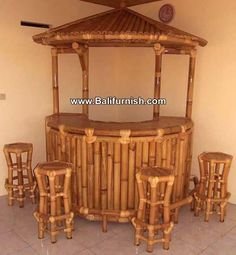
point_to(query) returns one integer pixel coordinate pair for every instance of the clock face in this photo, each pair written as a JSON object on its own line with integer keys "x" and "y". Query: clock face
{"x": 166, "y": 13}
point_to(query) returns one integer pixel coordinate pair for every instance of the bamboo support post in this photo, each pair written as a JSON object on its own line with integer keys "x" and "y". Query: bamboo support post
{"x": 83, "y": 53}
{"x": 55, "y": 81}
{"x": 192, "y": 63}
{"x": 159, "y": 50}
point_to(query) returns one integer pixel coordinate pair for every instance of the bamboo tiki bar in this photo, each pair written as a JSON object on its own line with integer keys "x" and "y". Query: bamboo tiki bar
{"x": 106, "y": 156}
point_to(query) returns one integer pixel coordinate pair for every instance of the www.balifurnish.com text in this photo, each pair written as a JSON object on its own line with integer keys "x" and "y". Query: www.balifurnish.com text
{"x": 118, "y": 101}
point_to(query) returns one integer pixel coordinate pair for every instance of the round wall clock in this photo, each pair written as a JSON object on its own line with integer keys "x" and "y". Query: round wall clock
{"x": 166, "y": 13}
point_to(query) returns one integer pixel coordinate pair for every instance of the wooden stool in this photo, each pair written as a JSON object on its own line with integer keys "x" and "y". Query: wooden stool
{"x": 212, "y": 189}
{"x": 16, "y": 185}
{"x": 155, "y": 187}
{"x": 54, "y": 212}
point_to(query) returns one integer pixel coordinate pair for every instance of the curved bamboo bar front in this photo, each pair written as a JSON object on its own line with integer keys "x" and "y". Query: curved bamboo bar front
{"x": 107, "y": 155}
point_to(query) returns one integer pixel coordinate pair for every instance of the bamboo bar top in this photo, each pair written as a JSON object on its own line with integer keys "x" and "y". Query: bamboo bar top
{"x": 78, "y": 123}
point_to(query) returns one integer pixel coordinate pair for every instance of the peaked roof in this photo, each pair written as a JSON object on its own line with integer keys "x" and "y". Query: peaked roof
{"x": 118, "y": 27}
{"x": 120, "y": 3}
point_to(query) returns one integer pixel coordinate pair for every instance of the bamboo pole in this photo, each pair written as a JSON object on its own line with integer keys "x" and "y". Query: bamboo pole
{"x": 124, "y": 175}
{"x": 55, "y": 80}
{"x": 79, "y": 172}
{"x": 83, "y": 53}
{"x": 110, "y": 179}
{"x": 145, "y": 153}
{"x": 84, "y": 173}
{"x": 152, "y": 150}
{"x": 138, "y": 163}
{"x": 90, "y": 176}
{"x": 192, "y": 64}
{"x": 104, "y": 176}
{"x": 117, "y": 171}
{"x": 74, "y": 172}
{"x": 159, "y": 50}
{"x": 97, "y": 175}
{"x": 131, "y": 178}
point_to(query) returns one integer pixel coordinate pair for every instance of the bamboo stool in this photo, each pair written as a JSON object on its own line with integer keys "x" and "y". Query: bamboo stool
{"x": 154, "y": 187}
{"x": 55, "y": 210}
{"x": 212, "y": 189}
{"x": 23, "y": 181}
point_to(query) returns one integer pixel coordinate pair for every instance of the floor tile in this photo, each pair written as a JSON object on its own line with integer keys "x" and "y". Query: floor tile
{"x": 61, "y": 247}
{"x": 177, "y": 247}
{"x": 225, "y": 246}
{"x": 117, "y": 246}
{"x": 193, "y": 236}
{"x": 10, "y": 243}
{"x": 25, "y": 251}
{"x": 91, "y": 234}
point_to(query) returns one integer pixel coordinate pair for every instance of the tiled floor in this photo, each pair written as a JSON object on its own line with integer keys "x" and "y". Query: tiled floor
{"x": 192, "y": 236}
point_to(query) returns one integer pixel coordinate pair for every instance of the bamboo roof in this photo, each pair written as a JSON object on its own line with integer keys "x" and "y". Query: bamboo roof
{"x": 120, "y": 3}
{"x": 118, "y": 27}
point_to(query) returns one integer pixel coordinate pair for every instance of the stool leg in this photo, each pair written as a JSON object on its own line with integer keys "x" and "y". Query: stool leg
{"x": 9, "y": 181}
{"x": 20, "y": 180}
{"x": 67, "y": 207}
{"x": 138, "y": 232}
{"x": 30, "y": 176}
{"x": 41, "y": 227}
{"x": 32, "y": 185}
{"x": 222, "y": 211}
{"x": 151, "y": 236}
{"x": 53, "y": 210}
{"x": 166, "y": 243}
{"x": 208, "y": 210}
{"x": 58, "y": 201}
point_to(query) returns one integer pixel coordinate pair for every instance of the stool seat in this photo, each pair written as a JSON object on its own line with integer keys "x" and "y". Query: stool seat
{"x": 18, "y": 147}
{"x": 54, "y": 166}
{"x": 154, "y": 172}
{"x": 20, "y": 177}
{"x": 55, "y": 209}
{"x": 216, "y": 157}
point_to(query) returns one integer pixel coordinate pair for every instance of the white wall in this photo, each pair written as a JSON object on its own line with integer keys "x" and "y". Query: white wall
{"x": 26, "y": 70}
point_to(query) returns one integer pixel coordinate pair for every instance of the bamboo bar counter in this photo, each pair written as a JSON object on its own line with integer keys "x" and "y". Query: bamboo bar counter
{"x": 107, "y": 155}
